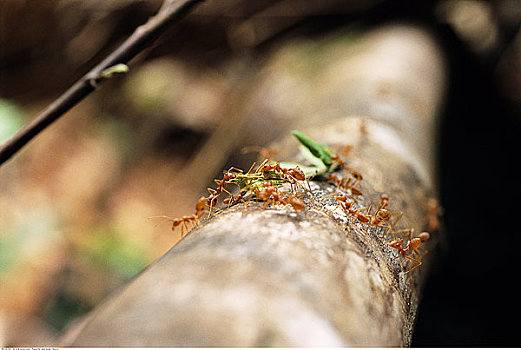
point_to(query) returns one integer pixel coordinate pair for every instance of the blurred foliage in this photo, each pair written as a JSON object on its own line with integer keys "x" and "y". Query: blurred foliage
{"x": 11, "y": 119}
{"x": 74, "y": 204}
{"x": 105, "y": 249}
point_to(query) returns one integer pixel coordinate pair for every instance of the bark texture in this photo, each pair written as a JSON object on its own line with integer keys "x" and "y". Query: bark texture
{"x": 256, "y": 276}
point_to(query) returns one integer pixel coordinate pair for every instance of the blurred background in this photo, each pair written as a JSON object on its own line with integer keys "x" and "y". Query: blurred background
{"x": 75, "y": 203}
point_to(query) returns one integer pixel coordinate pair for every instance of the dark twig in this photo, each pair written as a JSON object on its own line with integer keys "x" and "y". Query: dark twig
{"x": 143, "y": 36}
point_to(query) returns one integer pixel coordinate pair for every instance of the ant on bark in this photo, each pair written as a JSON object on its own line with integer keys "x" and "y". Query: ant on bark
{"x": 412, "y": 246}
{"x": 291, "y": 175}
{"x": 270, "y": 193}
{"x": 382, "y": 213}
{"x": 433, "y": 210}
{"x": 346, "y": 207}
{"x": 347, "y": 184}
{"x": 188, "y": 220}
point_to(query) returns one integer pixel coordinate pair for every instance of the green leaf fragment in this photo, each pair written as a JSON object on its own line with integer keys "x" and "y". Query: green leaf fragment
{"x": 318, "y": 150}
{"x": 115, "y": 69}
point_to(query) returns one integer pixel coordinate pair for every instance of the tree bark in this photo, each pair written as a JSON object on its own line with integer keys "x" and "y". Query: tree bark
{"x": 257, "y": 276}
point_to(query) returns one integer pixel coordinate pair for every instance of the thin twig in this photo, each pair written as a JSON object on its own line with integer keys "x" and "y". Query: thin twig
{"x": 143, "y": 36}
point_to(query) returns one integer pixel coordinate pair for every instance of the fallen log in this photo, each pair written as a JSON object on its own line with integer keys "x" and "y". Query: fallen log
{"x": 260, "y": 274}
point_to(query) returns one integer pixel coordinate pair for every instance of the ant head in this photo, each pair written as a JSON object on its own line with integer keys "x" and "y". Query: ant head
{"x": 228, "y": 175}
{"x": 357, "y": 175}
{"x": 384, "y": 197}
{"x": 340, "y": 198}
{"x": 396, "y": 243}
{"x": 298, "y": 174}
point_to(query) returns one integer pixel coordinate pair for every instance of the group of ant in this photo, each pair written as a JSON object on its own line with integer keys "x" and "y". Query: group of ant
{"x": 259, "y": 183}
{"x": 407, "y": 245}
{"x": 264, "y": 183}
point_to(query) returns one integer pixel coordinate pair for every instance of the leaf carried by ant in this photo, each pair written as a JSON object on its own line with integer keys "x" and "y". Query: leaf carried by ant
{"x": 317, "y": 150}
{"x": 250, "y": 181}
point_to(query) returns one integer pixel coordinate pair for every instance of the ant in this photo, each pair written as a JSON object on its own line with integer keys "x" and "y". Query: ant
{"x": 185, "y": 220}
{"x": 228, "y": 177}
{"x": 270, "y": 193}
{"x": 346, "y": 206}
{"x": 297, "y": 203}
{"x": 345, "y": 184}
{"x": 292, "y": 175}
{"x": 365, "y": 218}
{"x": 433, "y": 210}
{"x": 384, "y": 214}
{"x": 412, "y": 245}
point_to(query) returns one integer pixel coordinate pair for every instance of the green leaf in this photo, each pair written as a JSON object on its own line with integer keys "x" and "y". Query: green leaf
{"x": 318, "y": 150}
{"x": 115, "y": 69}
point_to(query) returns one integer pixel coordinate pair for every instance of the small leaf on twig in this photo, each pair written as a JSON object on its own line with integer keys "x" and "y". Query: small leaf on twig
{"x": 115, "y": 69}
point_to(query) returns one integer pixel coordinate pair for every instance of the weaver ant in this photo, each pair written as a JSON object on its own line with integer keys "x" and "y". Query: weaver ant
{"x": 384, "y": 214}
{"x": 345, "y": 184}
{"x": 346, "y": 206}
{"x": 291, "y": 175}
{"x": 433, "y": 210}
{"x": 412, "y": 245}
{"x": 297, "y": 203}
{"x": 185, "y": 220}
{"x": 270, "y": 193}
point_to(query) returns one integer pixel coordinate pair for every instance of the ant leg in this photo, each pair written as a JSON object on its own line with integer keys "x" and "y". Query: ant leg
{"x": 184, "y": 229}
{"x": 407, "y": 232}
{"x": 399, "y": 215}
{"x": 260, "y": 167}
{"x": 332, "y": 194}
{"x": 418, "y": 263}
{"x": 387, "y": 229}
{"x": 237, "y": 170}
{"x": 421, "y": 257}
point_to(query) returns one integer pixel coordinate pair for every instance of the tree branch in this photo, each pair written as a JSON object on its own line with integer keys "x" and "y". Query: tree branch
{"x": 144, "y": 35}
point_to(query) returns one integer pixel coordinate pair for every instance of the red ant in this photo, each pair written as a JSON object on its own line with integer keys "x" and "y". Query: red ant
{"x": 268, "y": 191}
{"x": 292, "y": 175}
{"x": 185, "y": 220}
{"x": 384, "y": 214}
{"x": 297, "y": 203}
{"x": 211, "y": 200}
{"x": 433, "y": 210}
{"x": 365, "y": 218}
{"x": 412, "y": 245}
{"x": 345, "y": 184}
{"x": 346, "y": 206}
